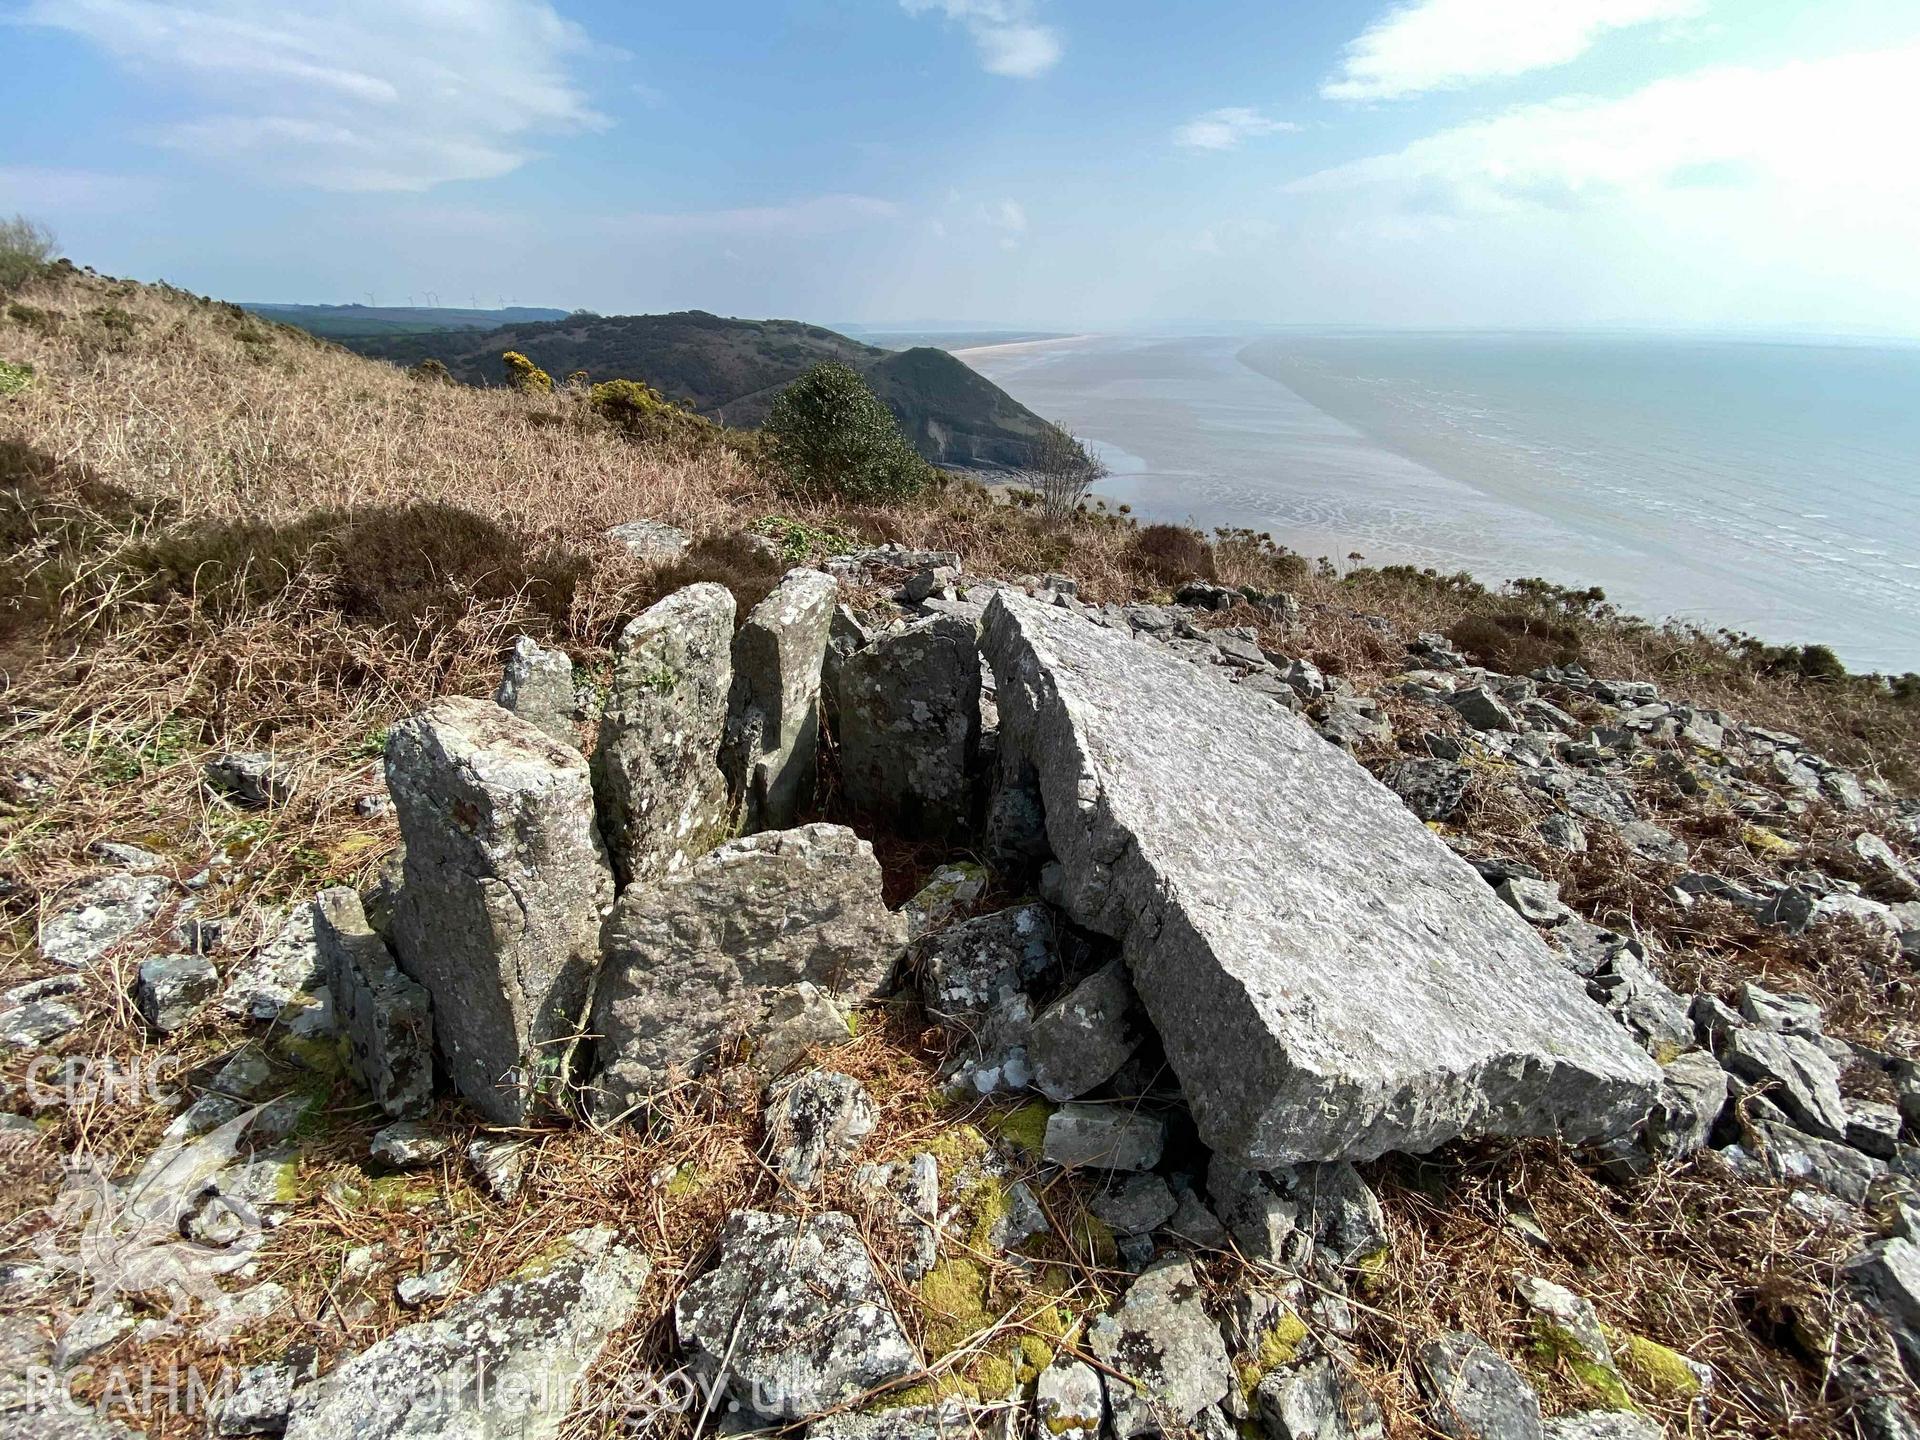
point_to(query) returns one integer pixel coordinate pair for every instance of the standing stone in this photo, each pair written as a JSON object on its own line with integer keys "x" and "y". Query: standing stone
{"x": 505, "y": 1363}
{"x": 663, "y": 798}
{"x": 792, "y": 1316}
{"x": 384, "y": 1017}
{"x": 1162, "y": 1341}
{"x": 705, "y": 953}
{"x": 537, "y": 685}
{"x": 909, "y": 714}
{"x": 773, "y": 720}
{"x": 1329, "y": 980}
{"x": 499, "y": 914}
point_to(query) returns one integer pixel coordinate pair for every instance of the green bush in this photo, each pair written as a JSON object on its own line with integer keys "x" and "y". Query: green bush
{"x": 431, "y": 372}
{"x": 25, "y": 250}
{"x": 830, "y": 436}
{"x": 525, "y": 376}
{"x": 14, "y": 378}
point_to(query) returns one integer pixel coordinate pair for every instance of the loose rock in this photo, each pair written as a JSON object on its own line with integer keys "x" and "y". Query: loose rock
{"x": 99, "y": 915}
{"x": 815, "y": 1122}
{"x": 1079, "y": 1041}
{"x": 1162, "y": 1341}
{"x": 1475, "y": 1394}
{"x": 1104, "y": 1137}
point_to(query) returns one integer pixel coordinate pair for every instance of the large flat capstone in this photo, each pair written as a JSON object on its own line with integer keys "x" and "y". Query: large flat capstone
{"x": 1329, "y": 980}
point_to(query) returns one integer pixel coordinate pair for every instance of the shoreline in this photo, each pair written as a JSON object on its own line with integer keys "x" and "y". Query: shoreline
{"x": 1023, "y": 347}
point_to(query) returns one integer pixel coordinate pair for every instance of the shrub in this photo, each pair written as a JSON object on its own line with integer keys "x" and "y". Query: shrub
{"x": 26, "y": 249}
{"x": 747, "y": 567}
{"x": 629, "y": 405}
{"x": 525, "y": 376}
{"x": 1514, "y": 641}
{"x": 1061, "y": 471}
{"x": 1171, "y": 554}
{"x": 431, "y": 372}
{"x": 14, "y": 378}
{"x": 830, "y": 436}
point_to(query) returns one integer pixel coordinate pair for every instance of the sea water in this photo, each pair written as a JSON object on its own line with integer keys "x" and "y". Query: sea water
{"x": 1770, "y": 487}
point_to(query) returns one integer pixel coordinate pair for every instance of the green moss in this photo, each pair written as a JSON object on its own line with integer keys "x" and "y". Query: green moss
{"x": 1370, "y": 1269}
{"x": 957, "y": 1147}
{"x": 1558, "y": 1348}
{"x": 1025, "y": 1127}
{"x": 688, "y": 1179}
{"x": 1662, "y": 1372}
{"x": 321, "y": 1057}
{"x": 1279, "y": 1344}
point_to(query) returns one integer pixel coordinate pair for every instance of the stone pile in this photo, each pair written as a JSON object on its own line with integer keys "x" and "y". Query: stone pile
{"x": 1238, "y": 963}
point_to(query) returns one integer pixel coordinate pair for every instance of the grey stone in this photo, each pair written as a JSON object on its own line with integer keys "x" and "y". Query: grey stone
{"x": 1535, "y": 901}
{"x": 500, "y": 1164}
{"x": 1160, "y": 1339}
{"x": 1890, "y": 874}
{"x": 815, "y": 1122}
{"x": 272, "y": 976}
{"x": 1432, "y": 789}
{"x": 948, "y": 891}
{"x": 504, "y": 1363}
{"x": 1293, "y": 984}
{"x": 909, "y": 717}
{"x": 1805, "y": 1082}
{"x": 1567, "y": 1325}
{"x": 1069, "y": 1400}
{"x": 1693, "y": 1092}
{"x": 499, "y": 915}
{"x": 1350, "y": 721}
{"x": 1651, "y": 842}
{"x": 1652, "y": 1013}
{"x": 1337, "y": 1209}
{"x": 1603, "y": 1425}
{"x": 1483, "y": 709}
{"x": 905, "y": 1199}
{"x": 1318, "y": 1401}
{"x": 704, "y": 952}
{"x": 413, "y": 1291}
{"x": 1079, "y": 1041}
{"x": 656, "y": 771}
{"x": 969, "y": 969}
{"x": 948, "y": 1420}
{"x": 792, "y": 1317}
{"x": 1104, "y": 1137}
{"x": 172, "y": 988}
{"x": 1886, "y": 1279}
{"x": 1873, "y": 1128}
{"x": 1263, "y": 1222}
{"x": 408, "y": 1145}
{"x": 252, "y": 779}
{"x": 649, "y": 541}
{"x": 773, "y": 715}
{"x": 99, "y": 915}
{"x": 537, "y": 685}
{"x": 799, "y": 1018}
{"x": 260, "y": 1402}
{"x": 1782, "y": 1014}
{"x": 1138, "y": 1205}
{"x": 37, "y": 1023}
{"x": 385, "y": 1018}
{"x": 1194, "y": 1223}
{"x": 1793, "y": 1157}
{"x": 1474, "y": 1393}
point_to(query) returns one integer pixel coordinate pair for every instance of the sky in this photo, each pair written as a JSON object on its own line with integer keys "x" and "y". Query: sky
{"x": 1048, "y": 164}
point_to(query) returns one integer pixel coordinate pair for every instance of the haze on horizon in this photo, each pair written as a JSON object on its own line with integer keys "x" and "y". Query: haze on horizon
{"x": 1093, "y": 164}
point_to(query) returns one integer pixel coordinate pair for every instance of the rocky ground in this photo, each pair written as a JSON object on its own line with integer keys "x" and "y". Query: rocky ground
{"x": 1069, "y": 1036}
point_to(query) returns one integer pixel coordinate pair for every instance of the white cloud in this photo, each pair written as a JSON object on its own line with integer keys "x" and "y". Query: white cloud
{"x": 1011, "y": 41}
{"x": 363, "y": 95}
{"x": 798, "y": 219}
{"x": 1226, "y": 128}
{"x": 1447, "y": 44}
{"x": 38, "y": 191}
{"x": 1803, "y": 136}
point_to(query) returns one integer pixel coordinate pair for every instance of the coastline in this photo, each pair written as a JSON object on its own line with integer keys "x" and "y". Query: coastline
{"x": 966, "y": 354}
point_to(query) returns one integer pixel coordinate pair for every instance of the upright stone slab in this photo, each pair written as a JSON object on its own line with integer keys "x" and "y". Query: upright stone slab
{"x": 909, "y": 716}
{"x": 537, "y": 685}
{"x": 505, "y": 884}
{"x": 1329, "y": 980}
{"x": 705, "y": 954}
{"x": 385, "y": 1018}
{"x": 663, "y": 798}
{"x": 773, "y": 720}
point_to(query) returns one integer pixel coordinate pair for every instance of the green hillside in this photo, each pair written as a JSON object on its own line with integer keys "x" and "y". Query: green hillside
{"x": 731, "y": 370}
{"x": 352, "y": 322}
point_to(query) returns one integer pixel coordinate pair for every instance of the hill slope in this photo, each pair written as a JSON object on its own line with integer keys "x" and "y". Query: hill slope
{"x": 731, "y": 370}
{"x": 341, "y": 322}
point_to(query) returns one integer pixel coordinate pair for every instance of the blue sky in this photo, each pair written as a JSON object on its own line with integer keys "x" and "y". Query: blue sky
{"x": 1048, "y": 163}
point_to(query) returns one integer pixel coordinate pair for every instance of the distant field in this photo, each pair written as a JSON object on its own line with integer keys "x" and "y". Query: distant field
{"x": 340, "y": 322}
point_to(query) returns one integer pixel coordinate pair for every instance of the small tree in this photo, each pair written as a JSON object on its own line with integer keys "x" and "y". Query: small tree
{"x": 26, "y": 248}
{"x": 831, "y": 436}
{"x": 1061, "y": 471}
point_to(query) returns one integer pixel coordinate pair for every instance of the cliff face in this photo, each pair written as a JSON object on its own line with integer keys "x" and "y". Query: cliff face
{"x": 731, "y": 370}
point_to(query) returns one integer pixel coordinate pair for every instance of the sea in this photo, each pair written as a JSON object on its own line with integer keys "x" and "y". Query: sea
{"x": 1770, "y": 487}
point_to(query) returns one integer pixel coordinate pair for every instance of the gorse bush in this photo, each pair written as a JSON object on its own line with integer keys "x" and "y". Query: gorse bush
{"x": 1172, "y": 554}
{"x": 26, "y": 249}
{"x": 830, "y": 437}
{"x": 525, "y": 376}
